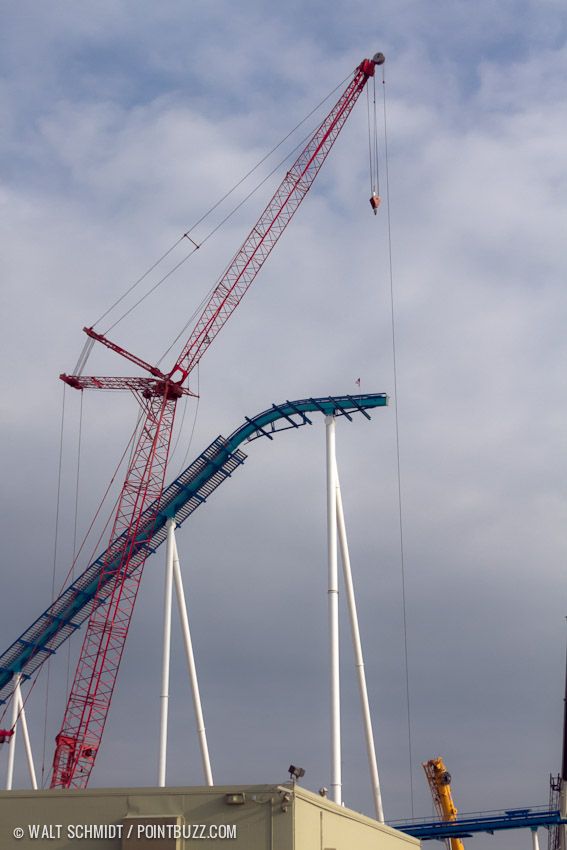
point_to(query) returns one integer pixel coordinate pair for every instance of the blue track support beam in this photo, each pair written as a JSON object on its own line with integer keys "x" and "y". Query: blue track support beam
{"x": 179, "y": 500}
{"x": 491, "y": 822}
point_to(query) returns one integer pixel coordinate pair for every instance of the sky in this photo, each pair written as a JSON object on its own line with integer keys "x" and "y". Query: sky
{"x": 123, "y": 123}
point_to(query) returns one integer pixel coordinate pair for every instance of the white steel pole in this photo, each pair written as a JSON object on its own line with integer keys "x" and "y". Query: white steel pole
{"x": 26, "y": 737}
{"x": 358, "y": 657}
{"x": 333, "y": 601}
{"x": 535, "y": 840}
{"x": 202, "y": 735}
{"x": 563, "y": 811}
{"x": 12, "y": 744}
{"x": 164, "y": 697}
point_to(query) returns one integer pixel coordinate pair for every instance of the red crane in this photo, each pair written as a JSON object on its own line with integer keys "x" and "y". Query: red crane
{"x": 87, "y": 708}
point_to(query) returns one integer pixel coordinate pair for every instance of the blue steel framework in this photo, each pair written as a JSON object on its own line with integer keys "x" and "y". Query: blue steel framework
{"x": 183, "y": 496}
{"x": 465, "y": 827}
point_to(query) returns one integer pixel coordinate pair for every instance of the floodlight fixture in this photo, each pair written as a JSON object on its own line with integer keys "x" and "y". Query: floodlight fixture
{"x": 295, "y": 772}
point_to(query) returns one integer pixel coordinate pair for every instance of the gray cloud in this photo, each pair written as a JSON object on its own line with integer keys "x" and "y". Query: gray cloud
{"x": 120, "y": 130}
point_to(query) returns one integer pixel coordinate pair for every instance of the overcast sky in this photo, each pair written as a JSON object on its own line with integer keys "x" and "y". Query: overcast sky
{"x": 123, "y": 122}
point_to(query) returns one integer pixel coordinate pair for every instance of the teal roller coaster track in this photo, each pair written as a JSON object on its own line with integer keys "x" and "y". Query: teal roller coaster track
{"x": 178, "y": 501}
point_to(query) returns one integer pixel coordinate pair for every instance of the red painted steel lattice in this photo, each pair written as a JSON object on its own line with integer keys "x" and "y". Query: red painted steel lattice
{"x": 79, "y": 740}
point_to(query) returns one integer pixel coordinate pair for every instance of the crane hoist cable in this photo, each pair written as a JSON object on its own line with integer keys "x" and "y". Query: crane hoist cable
{"x": 373, "y": 158}
{"x": 397, "y": 425}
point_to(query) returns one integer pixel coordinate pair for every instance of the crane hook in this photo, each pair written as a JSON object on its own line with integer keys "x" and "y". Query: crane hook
{"x": 375, "y": 202}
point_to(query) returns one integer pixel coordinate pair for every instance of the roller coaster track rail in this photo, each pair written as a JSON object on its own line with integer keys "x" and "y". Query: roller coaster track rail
{"x": 179, "y": 500}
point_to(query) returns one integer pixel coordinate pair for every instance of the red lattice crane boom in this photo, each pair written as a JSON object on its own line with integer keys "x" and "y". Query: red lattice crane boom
{"x": 79, "y": 739}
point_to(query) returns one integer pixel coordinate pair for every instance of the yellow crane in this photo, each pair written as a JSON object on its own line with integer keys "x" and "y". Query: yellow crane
{"x": 439, "y": 780}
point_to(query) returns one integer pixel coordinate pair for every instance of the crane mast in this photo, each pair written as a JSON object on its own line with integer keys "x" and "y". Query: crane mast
{"x": 79, "y": 739}
{"x": 439, "y": 780}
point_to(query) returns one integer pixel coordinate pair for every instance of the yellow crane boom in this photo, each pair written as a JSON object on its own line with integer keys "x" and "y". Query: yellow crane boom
{"x": 439, "y": 780}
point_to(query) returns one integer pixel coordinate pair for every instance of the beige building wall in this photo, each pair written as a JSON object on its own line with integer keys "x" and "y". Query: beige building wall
{"x": 322, "y": 825}
{"x": 256, "y": 817}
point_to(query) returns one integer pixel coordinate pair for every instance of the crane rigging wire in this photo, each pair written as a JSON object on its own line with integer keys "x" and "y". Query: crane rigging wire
{"x": 70, "y": 572}
{"x": 376, "y": 159}
{"x": 209, "y": 235}
{"x": 179, "y": 429}
{"x": 370, "y": 162}
{"x": 78, "y": 478}
{"x": 139, "y": 280}
{"x": 151, "y": 290}
{"x": 186, "y": 234}
{"x": 53, "y": 572}
{"x": 266, "y": 156}
{"x": 397, "y": 433}
{"x": 208, "y": 294}
{"x": 127, "y": 448}
{"x": 188, "y": 449}
{"x": 54, "y": 567}
{"x": 76, "y": 553}
{"x": 75, "y": 518}
{"x": 373, "y": 158}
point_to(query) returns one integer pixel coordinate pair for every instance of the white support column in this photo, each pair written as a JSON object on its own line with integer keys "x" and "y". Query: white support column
{"x": 14, "y": 726}
{"x": 26, "y": 737}
{"x": 358, "y": 657}
{"x": 207, "y": 772}
{"x": 333, "y": 602}
{"x": 164, "y": 697}
{"x": 535, "y": 840}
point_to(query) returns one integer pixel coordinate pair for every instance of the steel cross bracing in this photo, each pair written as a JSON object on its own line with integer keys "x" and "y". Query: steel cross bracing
{"x": 179, "y": 500}
{"x": 95, "y": 676}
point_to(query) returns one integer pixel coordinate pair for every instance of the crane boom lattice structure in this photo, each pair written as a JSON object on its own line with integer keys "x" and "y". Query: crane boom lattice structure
{"x": 89, "y": 700}
{"x": 439, "y": 780}
{"x": 103, "y": 644}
